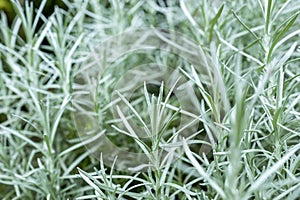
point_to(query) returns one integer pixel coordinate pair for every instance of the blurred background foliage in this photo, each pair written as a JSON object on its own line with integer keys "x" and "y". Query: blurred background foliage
{"x": 7, "y": 8}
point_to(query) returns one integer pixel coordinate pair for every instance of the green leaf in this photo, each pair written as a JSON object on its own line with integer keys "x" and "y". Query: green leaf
{"x": 268, "y": 16}
{"x": 214, "y": 21}
{"x": 279, "y": 33}
{"x": 94, "y": 183}
{"x": 248, "y": 29}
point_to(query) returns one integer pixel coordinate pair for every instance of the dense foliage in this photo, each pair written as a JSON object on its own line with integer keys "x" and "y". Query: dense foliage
{"x": 245, "y": 95}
